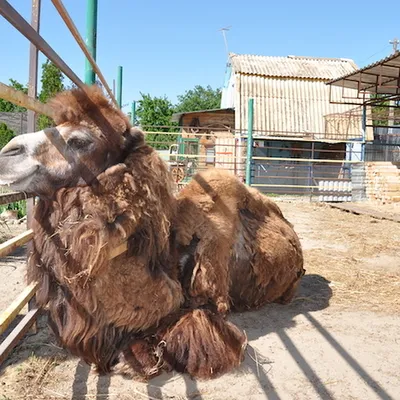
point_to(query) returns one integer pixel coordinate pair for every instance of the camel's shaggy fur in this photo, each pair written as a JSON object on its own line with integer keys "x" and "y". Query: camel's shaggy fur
{"x": 218, "y": 245}
{"x": 246, "y": 254}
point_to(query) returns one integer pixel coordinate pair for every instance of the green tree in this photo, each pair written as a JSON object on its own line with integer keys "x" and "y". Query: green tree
{"x": 154, "y": 114}
{"x": 199, "y": 98}
{"x": 52, "y": 83}
{"x": 6, "y": 134}
{"x": 7, "y": 106}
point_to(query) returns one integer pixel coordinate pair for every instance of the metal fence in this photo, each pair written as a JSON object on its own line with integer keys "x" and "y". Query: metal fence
{"x": 16, "y": 121}
{"x": 38, "y": 43}
{"x": 284, "y": 166}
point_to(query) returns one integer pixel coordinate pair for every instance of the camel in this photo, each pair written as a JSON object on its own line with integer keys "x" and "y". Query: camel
{"x": 214, "y": 247}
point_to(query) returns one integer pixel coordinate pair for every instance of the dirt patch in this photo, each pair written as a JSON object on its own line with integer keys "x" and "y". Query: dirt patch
{"x": 339, "y": 338}
{"x": 12, "y": 268}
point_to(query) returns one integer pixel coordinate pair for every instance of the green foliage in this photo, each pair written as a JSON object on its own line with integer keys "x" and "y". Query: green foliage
{"x": 6, "y": 134}
{"x": 7, "y": 106}
{"x": 199, "y": 98}
{"x": 154, "y": 114}
{"x": 52, "y": 83}
{"x": 19, "y": 206}
{"x": 381, "y": 112}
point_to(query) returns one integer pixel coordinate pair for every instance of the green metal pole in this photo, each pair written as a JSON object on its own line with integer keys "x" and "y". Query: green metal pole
{"x": 91, "y": 39}
{"x": 364, "y": 131}
{"x": 119, "y": 87}
{"x": 133, "y": 115}
{"x": 249, "y": 141}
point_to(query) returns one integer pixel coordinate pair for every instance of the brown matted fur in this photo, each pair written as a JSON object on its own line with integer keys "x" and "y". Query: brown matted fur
{"x": 218, "y": 245}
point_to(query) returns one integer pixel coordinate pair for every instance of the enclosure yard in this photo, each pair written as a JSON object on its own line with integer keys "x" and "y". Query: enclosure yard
{"x": 339, "y": 339}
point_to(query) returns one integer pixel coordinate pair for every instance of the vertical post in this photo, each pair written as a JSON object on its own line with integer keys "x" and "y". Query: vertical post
{"x": 32, "y": 88}
{"x": 391, "y": 123}
{"x": 311, "y": 177}
{"x": 91, "y": 39}
{"x": 31, "y": 123}
{"x": 364, "y": 131}
{"x": 119, "y": 87}
{"x": 249, "y": 140}
{"x": 133, "y": 115}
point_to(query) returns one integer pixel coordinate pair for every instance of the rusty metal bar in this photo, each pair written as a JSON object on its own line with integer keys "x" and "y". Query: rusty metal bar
{"x": 8, "y": 198}
{"x": 19, "y": 23}
{"x": 75, "y": 33}
{"x": 22, "y": 99}
{"x": 32, "y": 91}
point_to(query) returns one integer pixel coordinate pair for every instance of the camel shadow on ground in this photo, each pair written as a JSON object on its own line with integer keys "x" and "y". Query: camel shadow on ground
{"x": 313, "y": 294}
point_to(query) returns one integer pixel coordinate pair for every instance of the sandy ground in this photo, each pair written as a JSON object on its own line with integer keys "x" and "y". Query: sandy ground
{"x": 339, "y": 339}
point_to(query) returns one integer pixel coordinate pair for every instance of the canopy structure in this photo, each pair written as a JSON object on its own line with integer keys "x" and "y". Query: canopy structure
{"x": 374, "y": 83}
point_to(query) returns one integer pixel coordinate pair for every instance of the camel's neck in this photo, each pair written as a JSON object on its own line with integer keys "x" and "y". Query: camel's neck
{"x": 75, "y": 232}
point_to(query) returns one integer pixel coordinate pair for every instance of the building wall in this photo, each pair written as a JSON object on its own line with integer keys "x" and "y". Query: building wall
{"x": 207, "y": 127}
{"x": 228, "y": 91}
{"x": 221, "y": 120}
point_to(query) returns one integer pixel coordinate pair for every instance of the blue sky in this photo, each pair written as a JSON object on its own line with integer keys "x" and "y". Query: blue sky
{"x": 167, "y": 47}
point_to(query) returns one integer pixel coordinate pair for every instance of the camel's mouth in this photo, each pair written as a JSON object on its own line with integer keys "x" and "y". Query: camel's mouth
{"x": 18, "y": 181}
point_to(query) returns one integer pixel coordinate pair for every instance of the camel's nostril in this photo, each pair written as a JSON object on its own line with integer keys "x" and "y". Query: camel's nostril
{"x": 12, "y": 150}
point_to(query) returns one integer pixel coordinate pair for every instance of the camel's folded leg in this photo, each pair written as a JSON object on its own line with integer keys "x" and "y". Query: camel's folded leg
{"x": 203, "y": 344}
{"x": 142, "y": 360}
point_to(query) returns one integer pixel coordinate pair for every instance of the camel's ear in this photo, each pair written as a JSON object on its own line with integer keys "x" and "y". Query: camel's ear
{"x": 133, "y": 138}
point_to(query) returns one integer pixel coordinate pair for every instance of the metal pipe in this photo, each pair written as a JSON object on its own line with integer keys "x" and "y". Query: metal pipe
{"x": 250, "y": 114}
{"x": 78, "y": 38}
{"x": 91, "y": 40}
{"x": 33, "y": 64}
{"x": 119, "y": 87}
{"x": 364, "y": 131}
{"x": 32, "y": 92}
{"x": 133, "y": 115}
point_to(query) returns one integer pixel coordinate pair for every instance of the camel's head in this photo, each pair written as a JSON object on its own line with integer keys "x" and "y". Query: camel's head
{"x": 91, "y": 135}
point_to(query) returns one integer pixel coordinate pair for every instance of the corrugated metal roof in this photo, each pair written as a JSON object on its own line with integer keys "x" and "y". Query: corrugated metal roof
{"x": 293, "y": 107}
{"x": 292, "y": 66}
{"x": 380, "y": 77}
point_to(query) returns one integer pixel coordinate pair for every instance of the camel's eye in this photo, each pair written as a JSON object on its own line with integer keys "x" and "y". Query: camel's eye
{"x": 79, "y": 143}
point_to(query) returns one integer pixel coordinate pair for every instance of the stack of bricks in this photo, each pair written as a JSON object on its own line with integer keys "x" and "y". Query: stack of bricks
{"x": 382, "y": 182}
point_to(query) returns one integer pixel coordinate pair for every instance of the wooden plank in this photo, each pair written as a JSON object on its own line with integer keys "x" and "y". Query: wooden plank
{"x": 13, "y": 196}
{"x": 18, "y": 332}
{"x": 9, "y": 246}
{"x": 7, "y": 316}
{"x": 21, "y": 99}
{"x": 364, "y": 211}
